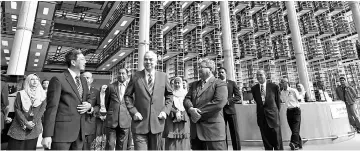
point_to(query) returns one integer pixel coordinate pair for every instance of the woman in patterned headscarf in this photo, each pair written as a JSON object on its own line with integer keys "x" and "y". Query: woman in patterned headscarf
{"x": 29, "y": 107}
{"x": 177, "y": 127}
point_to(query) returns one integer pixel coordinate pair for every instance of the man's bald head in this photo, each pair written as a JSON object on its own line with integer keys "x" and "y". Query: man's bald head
{"x": 89, "y": 78}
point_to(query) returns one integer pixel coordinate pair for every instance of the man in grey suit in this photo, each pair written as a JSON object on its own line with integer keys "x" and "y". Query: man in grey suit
{"x": 151, "y": 106}
{"x": 118, "y": 119}
{"x": 205, "y": 102}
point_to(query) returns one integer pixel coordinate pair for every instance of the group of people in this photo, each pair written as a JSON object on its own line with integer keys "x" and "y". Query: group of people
{"x": 149, "y": 110}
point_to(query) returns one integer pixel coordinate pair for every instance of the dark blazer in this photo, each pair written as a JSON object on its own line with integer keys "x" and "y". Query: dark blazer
{"x": 211, "y": 100}
{"x": 233, "y": 97}
{"x": 4, "y": 102}
{"x": 62, "y": 121}
{"x": 90, "y": 125}
{"x": 268, "y": 111}
{"x": 148, "y": 105}
{"x": 117, "y": 113}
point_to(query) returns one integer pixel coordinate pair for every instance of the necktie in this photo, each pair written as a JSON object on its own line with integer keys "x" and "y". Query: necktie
{"x": 79, "y": 86}
{"x": 150, "y": 83}
{"x": 202, "y": 84}
{"x": 262, "y": 93}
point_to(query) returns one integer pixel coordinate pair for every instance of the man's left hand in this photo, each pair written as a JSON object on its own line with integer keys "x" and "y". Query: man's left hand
{"x": 84, "y": 107}
{"x": 162, "y": 116}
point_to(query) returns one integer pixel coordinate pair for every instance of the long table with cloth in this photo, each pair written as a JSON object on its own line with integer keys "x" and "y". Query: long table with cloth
{"x": 321, "y": 123}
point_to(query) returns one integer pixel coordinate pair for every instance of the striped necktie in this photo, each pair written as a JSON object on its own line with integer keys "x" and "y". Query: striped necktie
{"x": 79, "y": 86}
{"x": 262, "y": 93}
{"x": 150, "y": 84}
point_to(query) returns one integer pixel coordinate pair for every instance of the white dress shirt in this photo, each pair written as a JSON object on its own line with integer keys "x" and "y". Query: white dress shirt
{"x": 291, "y": 97}
{"x": 122, "y": 88}
{"x": 73, "y": 74}
{"x": 152, "y": 73}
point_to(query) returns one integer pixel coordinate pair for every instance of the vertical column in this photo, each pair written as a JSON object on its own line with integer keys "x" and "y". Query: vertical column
{"x": 144, "y": 32}
{"x": 298, "y": 47}
{"x": 22, "y": 40}
{"x": 355, "y": 8}
{"x": 226, "y": 33}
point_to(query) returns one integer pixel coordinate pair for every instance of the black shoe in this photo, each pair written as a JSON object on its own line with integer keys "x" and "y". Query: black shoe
{"x": 292, "y": 146}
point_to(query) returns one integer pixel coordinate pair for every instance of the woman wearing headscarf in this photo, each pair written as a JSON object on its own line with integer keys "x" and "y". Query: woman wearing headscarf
{"x": 100, "y": 140}
{"x": 177, "y": 127}
{"x": 302, "y": 93}
{"x": 29, "y": 107}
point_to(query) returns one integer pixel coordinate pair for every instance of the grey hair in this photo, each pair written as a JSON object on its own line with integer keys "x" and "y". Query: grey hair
{"x": 209, "y": 63}
{"x": 151, "y": 53}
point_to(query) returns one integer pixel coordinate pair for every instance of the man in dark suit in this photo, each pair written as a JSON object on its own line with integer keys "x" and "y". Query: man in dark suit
{"x": 67, "y": 96}
{"x": 151, "y": 106}
{"x": 90, "y": 124}
{"x": 267, "y": 98}
{"x": 118, "y": 119}
{"x": 229, "y": 109}
{"x": 205, "y": 102}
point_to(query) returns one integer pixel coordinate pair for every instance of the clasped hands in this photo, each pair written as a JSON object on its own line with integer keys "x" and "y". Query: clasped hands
{"x": 194, "y": 114}
{"x": 138, "y": 116}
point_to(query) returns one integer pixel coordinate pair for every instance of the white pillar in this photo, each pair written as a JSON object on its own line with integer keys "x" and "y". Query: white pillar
{"x": 298, "y": 47}
{"x": 22, "y": 40}
{"x": 226, "y": 35}
{"x": 144, "y": 32}
{"x": 355, "y": 8}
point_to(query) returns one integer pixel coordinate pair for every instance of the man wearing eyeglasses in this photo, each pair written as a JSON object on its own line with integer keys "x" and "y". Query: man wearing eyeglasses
{"x": 293, "y": 112}
{"x": 204, "y": 103}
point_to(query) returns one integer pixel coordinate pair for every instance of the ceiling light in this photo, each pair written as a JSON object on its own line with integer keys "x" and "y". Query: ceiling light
{"x": 185, "y": 30}
{"x": 167, "y": 27}
{"x": 13, "y": 17}
{"x": 36, "y": 60}
{"x": 14, "y": 29}
{"x": 110, "y": 40}
{"x": 7, "y": 58}
{"x": 105, "y": 46}
{"x": 43, "y": 22}
{"x": 236, "y": 10}
{"x": 41, "y": 32}
{"x": 202, "y": 6}
{"x": 123, "y": 53}
{"x": 114, "y": 60}
{"x": 35, "y": 65}
{"x": 103, "y": 68}
{"x": 185, "y": 58}
{"x": 39, "y": 46}
{"x": 6, "y": 51}
{"x": 166, "y": 57}
{"x": 116, "y": 32}
{"x": 37, "y": 54}
{"x": 46, "y": 11}
{"x": 7, "y": 62}
{"x": 203, "y": 32}
{"x": 59, "y": 47}
{"x": 13, "y": 5}
{"x": 4, "y": 43}
{"x": 108, "y": 65}
{"x": 184, "y": 4}
{"x": 165, "y": 3}
{"x": 123, "y": 23}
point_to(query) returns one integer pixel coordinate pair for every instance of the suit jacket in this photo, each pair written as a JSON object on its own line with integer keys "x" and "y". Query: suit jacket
{"x": 117, "y": 113}
{"x": 62, "y": 121}
{"x": 348, "y": 96}
{"x": 269, "y": 110}
{"x": 233, "y": 96}
{"x": 211, "y": 100}
{"x": 4, "y": 102}
{"x": 148, "y": 105}
{"x": 90, "y": 125}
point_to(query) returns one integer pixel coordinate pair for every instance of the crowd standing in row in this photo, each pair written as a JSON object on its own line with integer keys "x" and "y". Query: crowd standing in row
{"x": 149, "y": 110}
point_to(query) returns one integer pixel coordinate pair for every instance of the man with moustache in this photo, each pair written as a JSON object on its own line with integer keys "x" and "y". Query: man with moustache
{"x": 229, "y": 109}
{"x": 118, "y": 119}
{"x": 150, "y": 105}
{"x": 67, "y": 96}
